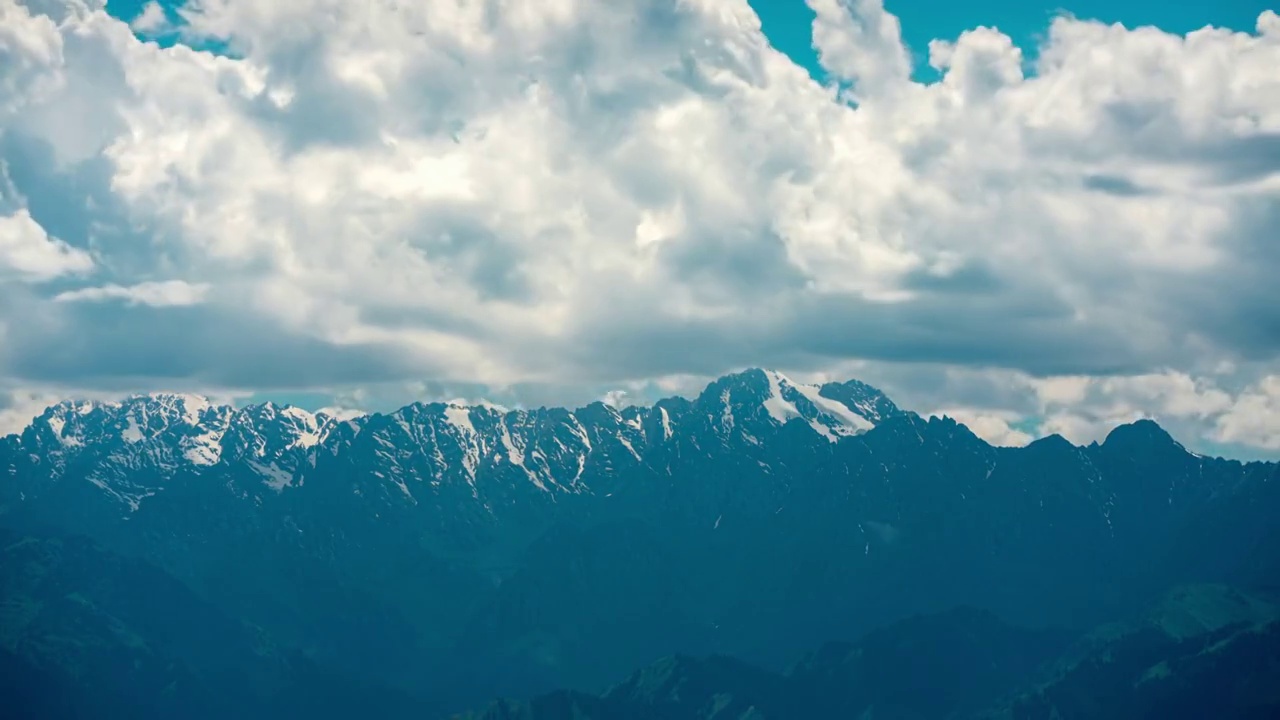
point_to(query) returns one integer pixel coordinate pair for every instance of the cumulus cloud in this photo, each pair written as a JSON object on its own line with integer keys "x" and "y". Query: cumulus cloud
{"x": 29, "y": 46}
{"x": 559, "y": 194}
{"x": 1254, "y": 416}
{"x": 857, "y": 41}
{"x": 615, "y": 398}
{"x": 27, "y": 253}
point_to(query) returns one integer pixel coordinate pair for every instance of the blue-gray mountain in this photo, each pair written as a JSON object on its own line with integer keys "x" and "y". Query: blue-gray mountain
{"x": 1203, "y": 651}
{"x": 459, "y": 553}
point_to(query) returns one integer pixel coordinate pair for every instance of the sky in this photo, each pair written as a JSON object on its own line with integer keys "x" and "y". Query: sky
{"x": 1023, "y": 216}
{"x": 788, "y": 23}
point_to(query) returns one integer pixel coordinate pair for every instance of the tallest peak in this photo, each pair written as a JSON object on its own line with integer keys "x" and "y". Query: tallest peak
{"x": 832, "y": 409}
{"x": 753, "y": 373}
{"x": 761, "y": 379}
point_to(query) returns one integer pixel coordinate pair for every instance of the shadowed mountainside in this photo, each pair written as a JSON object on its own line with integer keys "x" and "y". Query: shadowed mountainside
{"x": 1203, "y": 651}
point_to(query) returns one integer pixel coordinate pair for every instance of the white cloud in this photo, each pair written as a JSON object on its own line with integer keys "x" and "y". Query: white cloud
{"x": 490, "y": 193}
{"x": 342, "y": 413}
{"x": 1084, "y": 410}
{"x": 1254, "y": 417}
{"x": 28, "y": 253}
{"x": 615, "y": 398}
{"x": 992, "y": 426}
{"x": 29, "y": 48}
{"x": 152, "y": 19}
{"x": 1062, "y": 390}
{"x": 19, "y": 408}
{"x": 167, "y": 293}
{"x": 859, "y": 42}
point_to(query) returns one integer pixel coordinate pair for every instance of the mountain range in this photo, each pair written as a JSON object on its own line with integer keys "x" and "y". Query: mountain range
{"x": 422, "y": 562}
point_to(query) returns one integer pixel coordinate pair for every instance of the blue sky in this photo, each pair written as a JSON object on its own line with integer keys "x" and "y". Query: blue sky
{"x": 787, "y": 22}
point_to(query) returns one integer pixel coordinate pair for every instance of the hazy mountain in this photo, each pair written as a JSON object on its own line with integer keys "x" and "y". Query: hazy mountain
{"x": 87, "y": 633}
{"x": 460, "y": 553}
{"x": 1202, "y": 651}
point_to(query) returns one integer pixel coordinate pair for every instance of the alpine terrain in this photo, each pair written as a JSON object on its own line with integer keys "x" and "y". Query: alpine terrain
{"x": 767, "y": 549}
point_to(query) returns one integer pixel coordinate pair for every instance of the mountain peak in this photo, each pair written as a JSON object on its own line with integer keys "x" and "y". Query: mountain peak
{"x": 1144, "y": 433}
{"x": 757, "y": 395}
{"x": 1052, "y": 441}
{"x": 174, "y": 399}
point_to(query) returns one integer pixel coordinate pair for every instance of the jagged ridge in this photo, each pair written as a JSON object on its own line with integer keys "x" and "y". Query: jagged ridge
{"x": 132, "y": 449}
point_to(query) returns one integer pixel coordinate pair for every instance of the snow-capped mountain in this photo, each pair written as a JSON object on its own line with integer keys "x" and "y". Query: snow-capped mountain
{"x": 549, "y": 547}
{"x": 131, "y": 450}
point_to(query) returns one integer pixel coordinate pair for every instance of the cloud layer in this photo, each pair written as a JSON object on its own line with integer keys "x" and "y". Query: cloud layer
{"x": 561, "y": 193}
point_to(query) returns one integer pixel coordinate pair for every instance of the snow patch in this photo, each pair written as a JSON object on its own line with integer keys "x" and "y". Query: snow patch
{"x": 132, "y": 433}
{"x": 823, "y": 430}
{"x": 777, "y": 407}
{"x": 135, "y": 501}
{"x": 191, "y": 406}
{"x": 517, "y": 457}
{"x": 459, "y": 416}
{"x": 514, "y": 453}
{"x": 580, "y": 431}
{"x": 307, "y": 439}
{"x": 273, "y": 477}
{"x": 404, "y": 489}
{"x": 834, "y": 408}
{"x": 57, "y": 424}
{"x": 627, "y": 444}
{"x": 205, "y": 448}
{"x": 310, "y": 430}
